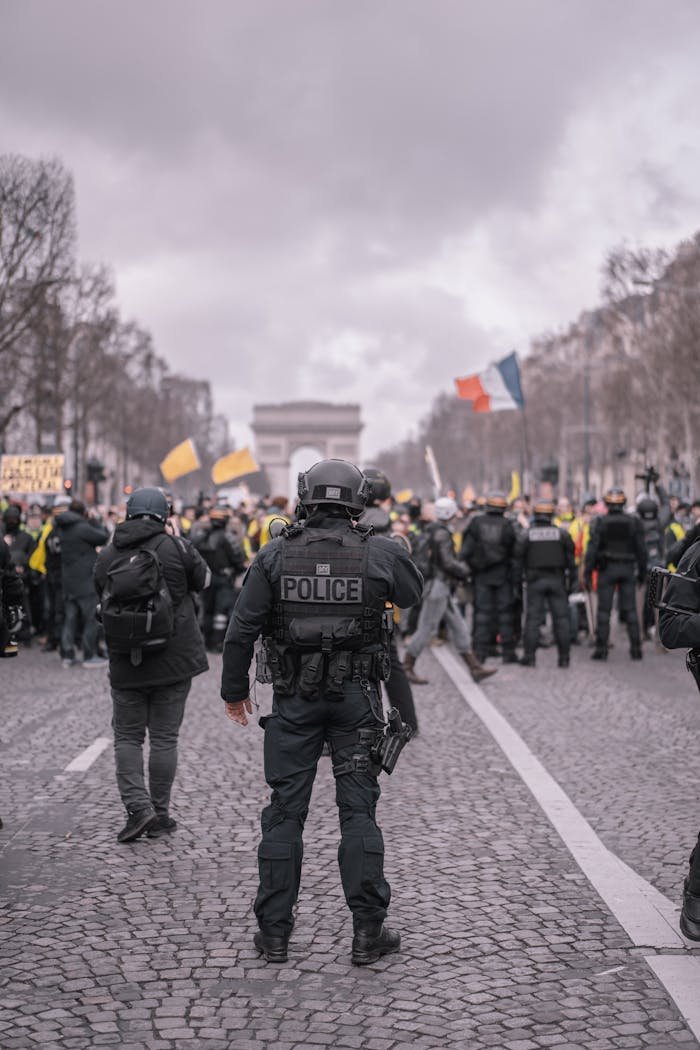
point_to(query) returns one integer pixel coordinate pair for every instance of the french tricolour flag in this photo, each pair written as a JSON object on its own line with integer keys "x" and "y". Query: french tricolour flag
{"x": 495, "y": 389}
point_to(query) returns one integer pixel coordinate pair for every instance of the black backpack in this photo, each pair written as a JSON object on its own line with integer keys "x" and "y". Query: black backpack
{"x": 422, "y": 552}
{"x": 137, "y": 610}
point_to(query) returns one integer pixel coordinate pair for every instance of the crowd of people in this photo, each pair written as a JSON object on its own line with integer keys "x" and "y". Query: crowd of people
{"x": 478, "y": 559}
{"x": 148, "y": 588}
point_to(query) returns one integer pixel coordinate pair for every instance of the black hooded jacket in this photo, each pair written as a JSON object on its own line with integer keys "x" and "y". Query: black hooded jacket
{"x": 79, "y": 538}
{"x": 185, "y": 573}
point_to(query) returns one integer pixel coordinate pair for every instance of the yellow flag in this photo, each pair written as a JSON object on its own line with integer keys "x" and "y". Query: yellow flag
{"x": 514, "y": 486}
{"x": 403, "y": 496}
{"x": 180, "y": 461}
{"x": 233, "y": 466}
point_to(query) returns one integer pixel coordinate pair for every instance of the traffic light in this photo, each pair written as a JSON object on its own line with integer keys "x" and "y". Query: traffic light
{"x": 549, "y": 473}
{"x": 95, "y": 469}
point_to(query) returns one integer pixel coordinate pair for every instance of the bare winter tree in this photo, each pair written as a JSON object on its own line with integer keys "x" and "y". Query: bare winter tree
{"x": 37, "y": 242}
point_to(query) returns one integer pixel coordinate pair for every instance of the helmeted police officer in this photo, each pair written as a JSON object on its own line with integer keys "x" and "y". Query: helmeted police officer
{"x": 617, "y": 551}
{"x": 377, "y": 515}
{"x": 225, "y": 559}
{"x": 488, "y": 548}
{"x": 318, "y": 595}
{"x": 545, "y": 557}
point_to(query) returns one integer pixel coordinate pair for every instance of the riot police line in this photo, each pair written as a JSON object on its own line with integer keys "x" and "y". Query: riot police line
{"x": 327, "y": 594}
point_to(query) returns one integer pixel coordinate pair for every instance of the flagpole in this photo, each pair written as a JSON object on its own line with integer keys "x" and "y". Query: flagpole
{"x": 526, "y": 450}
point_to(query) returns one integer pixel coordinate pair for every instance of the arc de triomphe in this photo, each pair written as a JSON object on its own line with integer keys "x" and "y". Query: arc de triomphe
{"x": 280, "y": 430}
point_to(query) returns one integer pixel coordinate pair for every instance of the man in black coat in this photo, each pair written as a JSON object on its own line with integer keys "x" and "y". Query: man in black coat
{"x": 152, "y": 694}
{"x": 79, "y": 539}
{"x": 488, "y": 548}
{"x": 318, "y": 594}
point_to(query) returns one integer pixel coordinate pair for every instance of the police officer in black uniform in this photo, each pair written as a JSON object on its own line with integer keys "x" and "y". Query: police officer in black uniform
{"x": 679, "y": 629}
{"x": 397, "y": 687}
{"x": 648, "y": 512}
{"x": 489, "y": 548}
{"x": 616, "y": 549}
{"x": 225, "y": 559}
{"x": 11, "y": 603}
{"x": 318, "y": 595}
{"x": 545, "y": 557}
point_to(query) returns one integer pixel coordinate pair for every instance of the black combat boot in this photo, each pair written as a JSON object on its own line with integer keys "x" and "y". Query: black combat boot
{"x": 635, "y": 652}
{"x": 510, "y": 656}
{"x": 409, "y": 662}
{"x": 690, "y": 914}
{"x": 527, "y": 660}
{"x": 600, "y": 652}
{"x": 273, "y": 948}
{"x": 138, "y": 821}
{"x": 371, "y": 941}
{"x": 563, "y": 658}
{"x": 476, "y": 668}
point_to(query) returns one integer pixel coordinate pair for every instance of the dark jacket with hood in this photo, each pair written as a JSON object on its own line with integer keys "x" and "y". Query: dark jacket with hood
{"x": 79, "y": 538}
{"x": 185, "y": 573}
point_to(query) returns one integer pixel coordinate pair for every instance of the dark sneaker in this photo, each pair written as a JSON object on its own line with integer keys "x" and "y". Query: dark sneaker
{"x": 164, "y": 825}
{"x": 690, "y": 914}
{"x": 563, "y": 660}
{"x": 274, "y": 949}
{"x": 372, "y": 941}
{"x": 137, "y": 822}
{"x": 636, "y": 652}
{"x": 599, "y": 653}
{"x": 527, "y": 661}
{"x": 70, "y": 661}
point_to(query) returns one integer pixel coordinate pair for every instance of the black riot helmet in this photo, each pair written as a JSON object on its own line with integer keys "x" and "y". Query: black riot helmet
{"x": 543, "y": 509}
{"x": 379, "y": 485}
{"x": 647, "y": 508}
{"x": 148, "y": 503}
{"x": 333, "y": 483}
{"x": 496, "y": 503}
{"x": 615, "y": 499}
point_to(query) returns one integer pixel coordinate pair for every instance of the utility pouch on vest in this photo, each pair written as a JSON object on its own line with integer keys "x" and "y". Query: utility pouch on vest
{"x": 311, "y": 675}
{"x": 263, "y": 669}
{"x": 282, "y": 667}
{"x": 316, "y": 632}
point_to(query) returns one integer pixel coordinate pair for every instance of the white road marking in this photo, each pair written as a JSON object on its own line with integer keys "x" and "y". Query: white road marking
{"x": 680, "y": 974}
{"x": 85, "y": 759}
{"x": 648, "y": 917}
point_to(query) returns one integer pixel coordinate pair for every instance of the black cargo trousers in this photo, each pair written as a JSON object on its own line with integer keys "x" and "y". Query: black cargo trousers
{"x": 623, "y": 575}
{"x": 548, "y": 591}
{"x": 294, "y": 736}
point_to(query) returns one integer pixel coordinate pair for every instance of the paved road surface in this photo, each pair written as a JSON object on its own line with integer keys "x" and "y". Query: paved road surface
{"x": 505, "y": 942}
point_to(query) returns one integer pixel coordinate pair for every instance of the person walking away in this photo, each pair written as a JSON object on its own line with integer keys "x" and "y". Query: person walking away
{"x": 318, "y": 593}
{"x": 443, "y": 570}
{"x": 150, "y": 683}
{"x": 79, "y": 539}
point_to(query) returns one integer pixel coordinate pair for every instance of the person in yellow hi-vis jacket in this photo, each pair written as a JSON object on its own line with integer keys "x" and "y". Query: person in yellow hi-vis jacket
{"x": 46, "y": 559}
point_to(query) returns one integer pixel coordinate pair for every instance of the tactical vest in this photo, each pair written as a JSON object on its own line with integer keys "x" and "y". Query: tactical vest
{"x": 545, "y": 549}
{"x": 489, "y": 547}
{"x": 321, "y": 598}
{"x": 617, "y": 540}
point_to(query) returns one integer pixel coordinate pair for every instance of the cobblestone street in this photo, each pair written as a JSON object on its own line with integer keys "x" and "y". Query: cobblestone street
{"x": 505, "y": 943}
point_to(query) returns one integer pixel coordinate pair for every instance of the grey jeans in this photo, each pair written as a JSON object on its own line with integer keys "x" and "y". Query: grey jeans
{"x": 160, "y": 710}
{"x": 438, "y": 603}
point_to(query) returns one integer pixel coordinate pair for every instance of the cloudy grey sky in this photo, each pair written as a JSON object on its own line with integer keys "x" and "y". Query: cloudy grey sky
{"x": 357, "y": 199}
